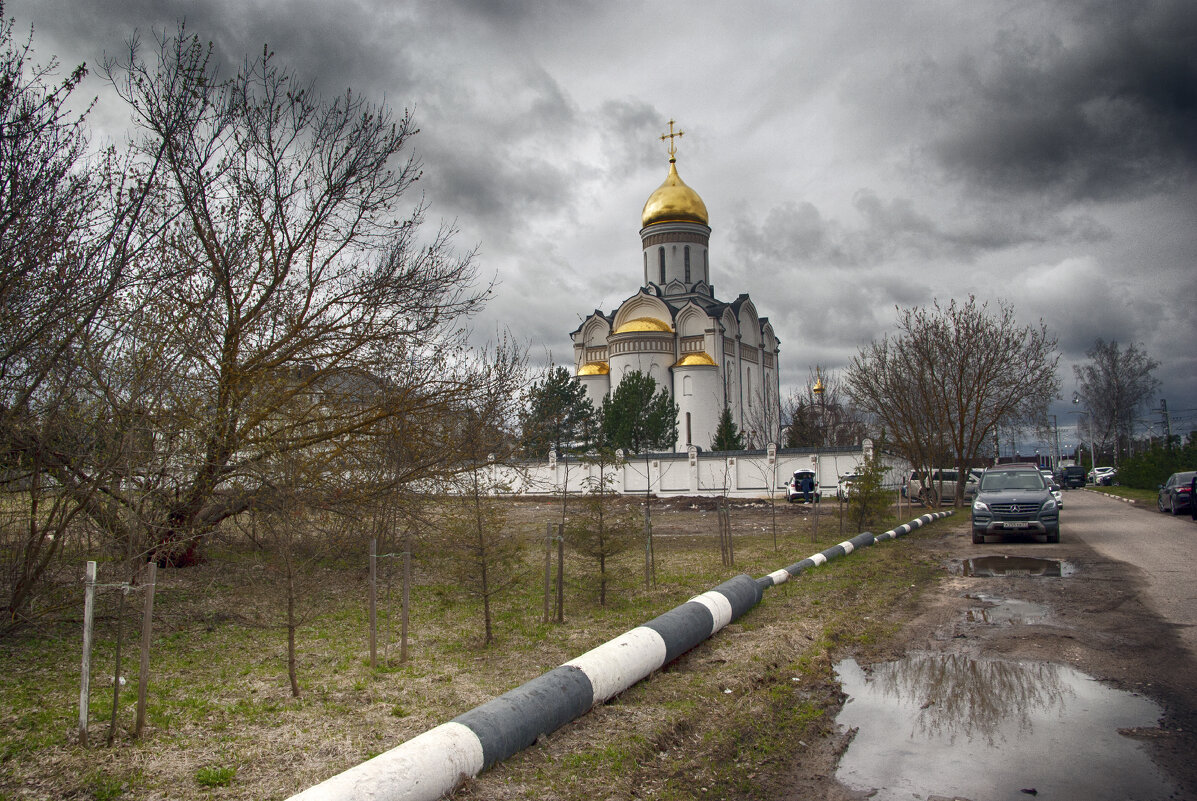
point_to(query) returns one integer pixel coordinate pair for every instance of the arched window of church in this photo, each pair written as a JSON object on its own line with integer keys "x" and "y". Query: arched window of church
{"x": 689, "y": 438}
{"x": 687, "y": 387}
{"x": 706, "y": 266}
{"x": 661, "y": 262}
{"x": 687, "y": 264}
{"x": 646, "y": 266}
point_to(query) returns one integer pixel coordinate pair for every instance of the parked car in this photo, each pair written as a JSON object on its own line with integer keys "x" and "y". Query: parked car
{"x": 913, "y": 479}
{"x": 1072, "y": 477}
{"x": 1015, "y": 498}
{"x": 1053, "y": 485}
{"x": 1103, "y": 475}
{"x": 794, "y": 488}
{"x": 929, "y": 493}
{"x": 1176, "y": 493}
{"x": 845, "y": 486}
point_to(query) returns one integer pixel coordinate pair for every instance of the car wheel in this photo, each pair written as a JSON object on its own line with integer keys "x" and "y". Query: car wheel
{"x": 978, "y": 538}
{"x": 1159, "y": 503}
{"x": 1053, "y": 536}
{"x": 1172, "y": 507}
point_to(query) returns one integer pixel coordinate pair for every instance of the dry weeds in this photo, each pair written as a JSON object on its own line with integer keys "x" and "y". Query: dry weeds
{"x": 740, "y": 716}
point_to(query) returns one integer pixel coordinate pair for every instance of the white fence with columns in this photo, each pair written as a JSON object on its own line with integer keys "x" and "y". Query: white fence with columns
{"x": 738, "y": 474}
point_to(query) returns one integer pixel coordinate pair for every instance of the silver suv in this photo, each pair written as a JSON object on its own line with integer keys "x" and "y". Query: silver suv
{"x": 1015, "y": 498}
{"x": 927, "y": 492}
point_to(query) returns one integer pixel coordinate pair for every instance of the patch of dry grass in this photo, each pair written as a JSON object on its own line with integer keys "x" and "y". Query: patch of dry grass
{"x": 728, "y": 716}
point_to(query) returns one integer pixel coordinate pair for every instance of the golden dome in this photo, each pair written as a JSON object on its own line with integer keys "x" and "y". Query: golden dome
{"x": 700, "y": 359}
{"x": 673, "y": 202}
{"x": 595, "y": 368}
{"x": 643, "y": 324}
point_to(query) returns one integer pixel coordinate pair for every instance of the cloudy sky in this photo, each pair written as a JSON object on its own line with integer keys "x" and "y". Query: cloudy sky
{"x": 853, "y": 156}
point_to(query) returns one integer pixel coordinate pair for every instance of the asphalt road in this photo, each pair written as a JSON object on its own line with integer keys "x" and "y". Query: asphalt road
{"x": 1161, "y": 545}
{"x": 995, "y": 661}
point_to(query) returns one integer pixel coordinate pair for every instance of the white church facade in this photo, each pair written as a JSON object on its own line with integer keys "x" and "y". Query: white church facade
{"x": 707, "y": 353}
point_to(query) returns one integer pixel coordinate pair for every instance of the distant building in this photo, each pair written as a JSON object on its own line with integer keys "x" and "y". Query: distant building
{"x": 706, "y": 352}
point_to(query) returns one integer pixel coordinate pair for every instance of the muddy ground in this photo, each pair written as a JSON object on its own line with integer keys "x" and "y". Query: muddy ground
{"x": 1097, "y": 624}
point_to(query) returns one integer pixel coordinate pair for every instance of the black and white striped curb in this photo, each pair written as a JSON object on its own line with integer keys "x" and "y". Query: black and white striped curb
{"x": 843, "y": 549}
{"x": 430, "y": 764}
{"x": 1122, "y": 498}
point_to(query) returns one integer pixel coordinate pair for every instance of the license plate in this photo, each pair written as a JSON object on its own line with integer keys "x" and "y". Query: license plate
{"x": 1017, "y": 524}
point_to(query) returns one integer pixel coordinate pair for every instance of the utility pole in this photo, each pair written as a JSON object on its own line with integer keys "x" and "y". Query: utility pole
{"x": 1055, "y": 445}
{"x": 1167, "y": 423}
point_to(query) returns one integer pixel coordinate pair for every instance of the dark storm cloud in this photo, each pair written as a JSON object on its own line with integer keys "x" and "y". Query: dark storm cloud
{"x": 895, "y": 228}
{"x": 514, "y": 15}
{"x": 1104, "y": 108}
{"x": 334, "y": 46}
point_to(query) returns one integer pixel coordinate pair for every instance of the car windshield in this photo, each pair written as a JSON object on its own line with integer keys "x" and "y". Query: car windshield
{"x": 1022, "y": 480}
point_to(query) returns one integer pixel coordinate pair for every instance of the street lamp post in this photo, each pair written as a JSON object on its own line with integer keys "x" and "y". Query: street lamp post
{"x": 1076, "y": 399}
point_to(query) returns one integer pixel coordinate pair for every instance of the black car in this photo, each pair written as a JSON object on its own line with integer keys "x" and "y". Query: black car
{"x": 1176, "y": 493}
{"x": 1015, "y": 499}
{"x": 1072, "y": 477}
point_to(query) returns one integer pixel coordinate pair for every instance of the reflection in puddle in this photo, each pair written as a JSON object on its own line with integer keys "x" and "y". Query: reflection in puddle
{"x": 989, "y": 566}
{"x": 1005, "y": 611}
{"x": 935, "y": 724}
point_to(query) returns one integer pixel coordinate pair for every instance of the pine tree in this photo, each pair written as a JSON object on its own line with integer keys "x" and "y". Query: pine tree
{"x": 727, "y": 435}
{"x": 557, "y": 413}
{"x": 638, "y": 417}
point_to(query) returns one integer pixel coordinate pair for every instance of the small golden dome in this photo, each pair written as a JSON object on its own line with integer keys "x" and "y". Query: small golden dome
{"x": 673, "y": 202}
{"x": 644, "y": 324}
{"x": 595, "y": 368}
{"x": 700, "y": 359}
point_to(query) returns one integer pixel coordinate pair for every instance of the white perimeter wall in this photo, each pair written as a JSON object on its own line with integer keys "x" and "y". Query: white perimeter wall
{"x": 742, "y": 474}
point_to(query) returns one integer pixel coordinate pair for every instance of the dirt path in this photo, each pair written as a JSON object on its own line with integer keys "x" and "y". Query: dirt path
{"x": 1103, "y": 616}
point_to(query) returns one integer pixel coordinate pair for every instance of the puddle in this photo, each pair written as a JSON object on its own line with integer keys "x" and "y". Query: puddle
{"x": 1005, "y": 611}
{"x": 990, "y": 566}
{"x": 949, "y": 725}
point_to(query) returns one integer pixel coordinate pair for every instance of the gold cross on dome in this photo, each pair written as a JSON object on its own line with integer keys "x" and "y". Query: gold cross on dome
{"x": 670, "y": 136}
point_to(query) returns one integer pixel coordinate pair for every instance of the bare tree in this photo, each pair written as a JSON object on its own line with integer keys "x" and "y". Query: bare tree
{"x": 66, "y": 226}
{"x": 1115, "y": 386}
{"x": 484, "y": 555}
{"x": 300, "y": 525}
{"x": 293, "y": 305}
{"x": 602, "y": 527}
{"x": 820, "y": 414}
{"x": 637, "y": 417}
{"x": 951, "y": 376}
{"x": 761, "y": 420}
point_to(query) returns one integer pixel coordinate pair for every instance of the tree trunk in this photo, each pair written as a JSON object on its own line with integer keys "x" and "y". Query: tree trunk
{"x": 116, "y": 673}
{"x": 292, "y": 625}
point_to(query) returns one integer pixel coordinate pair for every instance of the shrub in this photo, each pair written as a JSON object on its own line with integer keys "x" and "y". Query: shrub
{"x": 1151, "y": 468}
{"x": 868, "y": 499}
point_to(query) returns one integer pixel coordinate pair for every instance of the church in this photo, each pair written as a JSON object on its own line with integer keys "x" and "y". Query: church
{"x": 707, "y": 353}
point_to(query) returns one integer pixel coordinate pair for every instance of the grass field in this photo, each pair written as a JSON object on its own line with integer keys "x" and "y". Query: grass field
{"x": 222, "y": 722}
